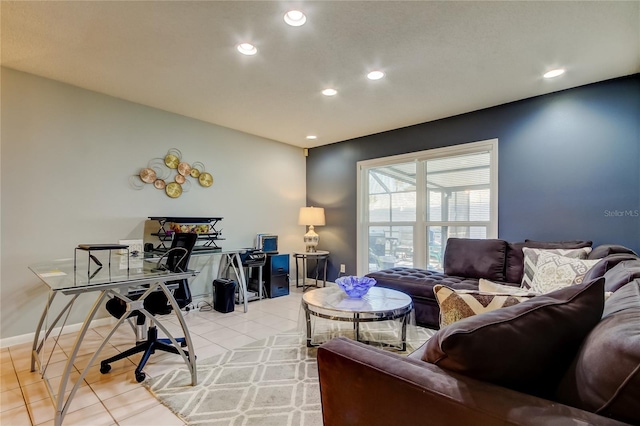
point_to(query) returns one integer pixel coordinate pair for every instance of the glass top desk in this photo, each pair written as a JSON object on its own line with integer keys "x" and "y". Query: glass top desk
{"x": 62, "y": 277}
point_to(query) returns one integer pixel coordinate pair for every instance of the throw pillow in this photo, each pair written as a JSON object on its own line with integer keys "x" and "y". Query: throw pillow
{"x": 554, "y": 272}
{"x": 558, "y": 244}
{"x": 514, "y": 263}
{"x": 605, "y": 375}
{"x": 531, "y": 259}
{"x": 605, "y": 250}
{"x": 514, "y": 268}
{"x": 458, "y": 304}
{"x": 487, "y": 286}
{"x": 606, "y": 264}
{"x": 543, "y": 335}
{"x": 621, "y": 274}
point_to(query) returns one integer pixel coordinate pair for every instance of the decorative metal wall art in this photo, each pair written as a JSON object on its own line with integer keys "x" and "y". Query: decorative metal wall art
{"x": 159, "y": 171}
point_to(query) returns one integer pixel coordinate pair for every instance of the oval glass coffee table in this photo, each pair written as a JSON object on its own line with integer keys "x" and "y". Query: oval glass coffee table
{"x": 378, "y": 305}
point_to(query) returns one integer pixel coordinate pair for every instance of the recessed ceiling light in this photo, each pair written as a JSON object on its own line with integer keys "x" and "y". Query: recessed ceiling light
{"x": 295, "y": 18}
{"x": 554, "y": 73}
{"x": 329, "y": 92}
{"x": 312, "y": 137}
{"x": 375, "y": 75}
{"x": 247, "y": 49}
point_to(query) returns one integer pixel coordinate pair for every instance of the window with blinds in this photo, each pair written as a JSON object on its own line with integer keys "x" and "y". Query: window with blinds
{"x": 409, "y": 205}
{"x": 458, "y": 200}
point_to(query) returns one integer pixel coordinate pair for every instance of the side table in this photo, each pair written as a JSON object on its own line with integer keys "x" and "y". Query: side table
{"x": 319, "y": 256}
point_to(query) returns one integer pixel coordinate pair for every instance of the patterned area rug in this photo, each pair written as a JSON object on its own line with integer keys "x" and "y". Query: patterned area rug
{"x": 268, "y": 382}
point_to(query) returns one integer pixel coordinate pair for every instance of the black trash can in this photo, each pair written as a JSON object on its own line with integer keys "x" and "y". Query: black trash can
{"x": 224, "y": 295}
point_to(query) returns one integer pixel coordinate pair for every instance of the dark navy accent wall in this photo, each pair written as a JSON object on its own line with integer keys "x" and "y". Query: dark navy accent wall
{"x": 569, "y": 167}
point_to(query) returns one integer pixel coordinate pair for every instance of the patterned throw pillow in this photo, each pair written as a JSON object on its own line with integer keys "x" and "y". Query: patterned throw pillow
{"x": 554, "y": 272}
{"x": 531, "y": 259}
{"x": 458, "y": 304}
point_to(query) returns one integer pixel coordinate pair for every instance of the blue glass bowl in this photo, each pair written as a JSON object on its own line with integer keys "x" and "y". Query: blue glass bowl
{"x": 355, "y": 287}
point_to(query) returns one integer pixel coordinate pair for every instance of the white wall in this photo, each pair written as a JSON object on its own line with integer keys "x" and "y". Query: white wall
{"x": 67, "y": 155}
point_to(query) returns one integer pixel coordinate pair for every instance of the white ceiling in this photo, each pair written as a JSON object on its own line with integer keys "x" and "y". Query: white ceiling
{"x": 440, "y": 58}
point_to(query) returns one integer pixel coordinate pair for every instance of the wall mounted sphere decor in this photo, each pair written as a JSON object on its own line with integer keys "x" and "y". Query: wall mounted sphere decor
{"x": 159, "y": 170}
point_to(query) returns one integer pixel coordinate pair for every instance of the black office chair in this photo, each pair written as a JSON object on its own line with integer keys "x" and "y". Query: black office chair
{"x": 177, "y": 260}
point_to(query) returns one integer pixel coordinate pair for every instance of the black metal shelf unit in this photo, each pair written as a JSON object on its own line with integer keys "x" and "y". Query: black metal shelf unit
{"x": 206, "y": 240}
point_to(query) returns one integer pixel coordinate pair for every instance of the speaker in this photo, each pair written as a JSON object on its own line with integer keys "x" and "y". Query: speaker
{"x": 276, "y": 275}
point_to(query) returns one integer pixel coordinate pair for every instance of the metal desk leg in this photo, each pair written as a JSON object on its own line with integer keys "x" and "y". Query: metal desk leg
{"x": 191, "y": 359}
{"x": 222, "y": 266}
{"x": 61, "y": 405}
{"x": 227, "y": 261}
{"x": 36, "y": 348}
{"x": 242, "y": 281}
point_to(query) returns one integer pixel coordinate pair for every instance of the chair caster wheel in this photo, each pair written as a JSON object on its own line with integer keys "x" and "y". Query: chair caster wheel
{"x": 105, "y": 368}
{"x": 140, "y": 377}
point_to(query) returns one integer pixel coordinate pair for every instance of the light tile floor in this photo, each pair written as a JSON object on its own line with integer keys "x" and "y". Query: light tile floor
{"x": 116, "y": 398}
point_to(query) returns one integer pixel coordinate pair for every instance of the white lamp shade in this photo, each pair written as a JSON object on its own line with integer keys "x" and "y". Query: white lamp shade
{"x": 311, "y": 216}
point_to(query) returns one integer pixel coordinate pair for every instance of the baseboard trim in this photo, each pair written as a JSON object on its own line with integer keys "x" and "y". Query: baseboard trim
{"x": 72, "y": 328}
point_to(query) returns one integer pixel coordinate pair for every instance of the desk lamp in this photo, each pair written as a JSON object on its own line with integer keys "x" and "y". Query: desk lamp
{"x": 312, "y": 216}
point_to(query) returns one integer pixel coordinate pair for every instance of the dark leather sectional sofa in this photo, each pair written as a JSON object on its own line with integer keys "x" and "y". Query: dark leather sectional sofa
{"x": 483, "y": 370}
{"x": 468, "y": 260}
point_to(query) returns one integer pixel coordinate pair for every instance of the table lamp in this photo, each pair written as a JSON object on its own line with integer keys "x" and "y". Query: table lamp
{"x": 312, "y": 216}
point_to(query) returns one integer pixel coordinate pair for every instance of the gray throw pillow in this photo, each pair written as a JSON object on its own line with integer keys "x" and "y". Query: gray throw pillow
{"x": 605, "y": 375}
{"x": 515, "y": 257}
{"x": 621, "y": 274}
{"x": 555, "y": 271}
{"x": 531, "y": 257}
{"x": 558, "y": 244}
{"x": 605, "y": 250}
{"x": 543, "y": 335}
{"x": 606, "y": 264}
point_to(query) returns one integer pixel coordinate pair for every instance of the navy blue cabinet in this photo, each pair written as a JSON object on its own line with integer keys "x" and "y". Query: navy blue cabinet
{"x": 276, "y": 275}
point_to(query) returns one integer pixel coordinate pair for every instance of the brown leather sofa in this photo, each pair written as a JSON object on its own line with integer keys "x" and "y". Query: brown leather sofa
{"x": 468, "y": 260}
{"x": 599, "y": 385}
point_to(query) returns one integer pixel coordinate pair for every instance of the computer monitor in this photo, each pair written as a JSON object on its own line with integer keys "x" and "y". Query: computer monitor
{"x": 268, "y": 243}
